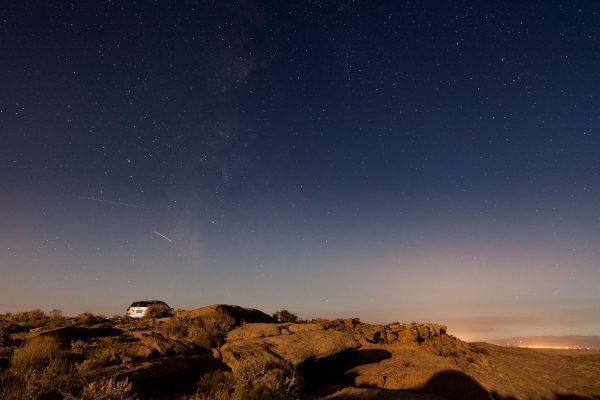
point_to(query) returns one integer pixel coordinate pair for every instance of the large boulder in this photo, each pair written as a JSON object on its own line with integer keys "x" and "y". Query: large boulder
{"x": 404, "y": 367}
{"x": 218, "y": 311}
{"x": 258, "y": 341}
{"x": 235, "y": 354}
{"x": 301, "y": 346}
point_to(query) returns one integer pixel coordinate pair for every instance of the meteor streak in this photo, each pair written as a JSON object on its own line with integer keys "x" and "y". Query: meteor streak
{"x": 163, "y": 236}
{"x": 116, "y": 203}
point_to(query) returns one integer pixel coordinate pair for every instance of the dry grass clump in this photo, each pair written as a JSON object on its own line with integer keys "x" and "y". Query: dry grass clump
{"x": 39, "y": 352}
{"x": 208, "y": 331}
{"x": 106, "y": 389}
{"x": 177, "y": 327}
{"x": 284, "y": 316}
{"x": 88, "y": 319}
{"x": 30, "y": 319}
{"x": 39, "y": 369}
{"x": 105, "y": 353}
{"x": 253, "y": 380}
{"x": 42, "y": 369}
{"x": 156, "y": 311}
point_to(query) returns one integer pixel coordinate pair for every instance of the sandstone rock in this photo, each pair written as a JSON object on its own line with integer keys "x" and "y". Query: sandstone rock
{"x": 351, "y": 322}
{"x": 309, "y": 341}
{"x": 239, "y": 314}
{"x": 377, "y": 394}
{"x": 404, "y": 367}
{"x": 423, "y": 331}
{"x": 235, "y": 354}
{"x": 316, "y": 344}
{"x": 165, "y": 346}
{"x": 249, "y": 331}
{"x": 312, "y": 326}
{"x": 138, "y": 352}
{"x": 407, "y": 335}
{"x": 366, "y": 333}
{"x": 216, "y": 354}
{"x": 438, "y": 329}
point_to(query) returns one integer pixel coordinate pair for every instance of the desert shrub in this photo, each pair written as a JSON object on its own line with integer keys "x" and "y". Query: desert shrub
{"x": 208, "y": 339}
{"x": 208, "y": 331}
{"x": 79, "y": 347}
{"x": 40, "y": 369}
{"x": 105, "y": 353}
{"x": 285, "y": 316}
{"x": 155, "y": 311}
{"x": 38, "y": 352}
{"x": 215, "y": 385}
{"x": 177, "y": 326}
{"x": 55, "y": 317}
{"x": 87, "y": 319}
{"x": 258, "y": 379}
{"x": 32, "y": 318}
{"x": 7, "y": 317}
{"x": 107, "y": 389}
{"x": 253, "y": 380}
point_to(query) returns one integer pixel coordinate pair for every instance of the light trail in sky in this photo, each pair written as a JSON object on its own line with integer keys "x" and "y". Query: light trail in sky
{"x": 116, "y": 203}
{"x": 163, "y": 236}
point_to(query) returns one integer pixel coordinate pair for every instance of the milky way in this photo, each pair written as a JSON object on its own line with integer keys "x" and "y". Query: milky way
{"x": 388, "y": 160}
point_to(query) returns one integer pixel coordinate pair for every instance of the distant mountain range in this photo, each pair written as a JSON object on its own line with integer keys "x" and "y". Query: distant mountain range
{"x": 563, "y": 342}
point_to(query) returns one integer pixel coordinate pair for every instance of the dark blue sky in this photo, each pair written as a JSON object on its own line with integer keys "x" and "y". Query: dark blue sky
{"x": 392, "y": 160}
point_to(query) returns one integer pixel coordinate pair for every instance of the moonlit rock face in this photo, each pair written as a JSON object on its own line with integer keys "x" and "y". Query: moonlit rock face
{"x": 402, "y": 161}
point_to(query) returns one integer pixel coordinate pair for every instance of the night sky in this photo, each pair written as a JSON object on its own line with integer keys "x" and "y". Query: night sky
{"x": 391, "y": 160}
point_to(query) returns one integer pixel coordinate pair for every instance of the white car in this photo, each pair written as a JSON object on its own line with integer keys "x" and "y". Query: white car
{"x": 148, "y": 308}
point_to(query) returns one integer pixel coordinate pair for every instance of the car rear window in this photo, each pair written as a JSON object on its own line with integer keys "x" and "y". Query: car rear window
{"x": 140, "y": 304}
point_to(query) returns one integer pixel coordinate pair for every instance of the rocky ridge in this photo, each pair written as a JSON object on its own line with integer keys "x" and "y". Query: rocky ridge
{"x": 337, "y": 359}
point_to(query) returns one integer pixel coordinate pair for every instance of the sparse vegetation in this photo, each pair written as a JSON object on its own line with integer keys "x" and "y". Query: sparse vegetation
{"x": 155, "y": 311}
{"x": 253, "y": 380}
{"x": 208, "y": 331}
{"x": 106, "y": 389}
{"x": 27, "y": 319}
{"x": 104, "y": 354}
{"x": 40, "y": 352}
{"x": 284, "y": 316}
{"x": 42, "y": 369}
{"x": 88, "y": 319}
{"x": 177, "y": 326}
